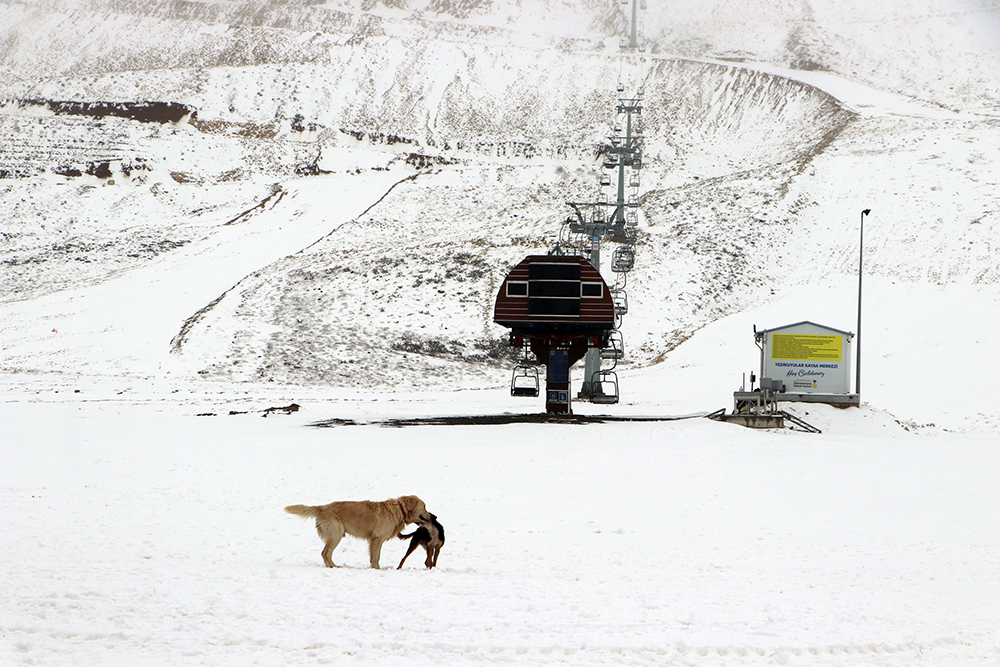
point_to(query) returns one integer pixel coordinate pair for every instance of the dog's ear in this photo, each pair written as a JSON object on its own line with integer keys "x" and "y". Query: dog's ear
{"x": 409, "y": 503}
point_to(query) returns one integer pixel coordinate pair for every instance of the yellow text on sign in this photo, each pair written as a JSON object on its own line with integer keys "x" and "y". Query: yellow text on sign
{"x": 806, "y": 347}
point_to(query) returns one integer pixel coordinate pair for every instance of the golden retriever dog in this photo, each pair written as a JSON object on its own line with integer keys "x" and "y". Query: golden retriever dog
{"x": 366, "y": 519}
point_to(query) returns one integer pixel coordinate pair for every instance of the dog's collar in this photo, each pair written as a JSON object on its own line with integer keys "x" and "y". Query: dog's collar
{"x": 402, "y": 511}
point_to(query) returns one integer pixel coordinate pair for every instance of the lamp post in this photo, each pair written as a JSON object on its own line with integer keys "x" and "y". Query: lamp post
{"x": 861, "y": 254}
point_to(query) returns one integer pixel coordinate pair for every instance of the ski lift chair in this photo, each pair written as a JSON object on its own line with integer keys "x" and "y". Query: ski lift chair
{"x": 616, "y": 346}
{"x": 623, "y": 259}
{"x": 604, "y": 387}
{"x": 620, "y": 299}
{"x": 524, "y": 380}
{"x": 621, "y": 233}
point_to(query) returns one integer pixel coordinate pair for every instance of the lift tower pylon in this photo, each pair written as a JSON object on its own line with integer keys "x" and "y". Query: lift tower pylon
{"x": 624, "y": 152}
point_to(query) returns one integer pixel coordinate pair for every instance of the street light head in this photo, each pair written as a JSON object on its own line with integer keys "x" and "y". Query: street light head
{"x": 867, "y": 211}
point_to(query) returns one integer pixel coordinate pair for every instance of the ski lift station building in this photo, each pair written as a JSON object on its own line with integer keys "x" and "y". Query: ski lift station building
{"x": 560, "y": 307}
{"x": 808, "y": 362}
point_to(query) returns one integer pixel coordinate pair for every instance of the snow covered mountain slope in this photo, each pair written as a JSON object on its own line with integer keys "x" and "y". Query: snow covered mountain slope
{"x": 210, "y": 208}
{"x": 349, "y": 184}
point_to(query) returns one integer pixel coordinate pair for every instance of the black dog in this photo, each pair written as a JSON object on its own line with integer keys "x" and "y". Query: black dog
{"x": 430, "y": 536}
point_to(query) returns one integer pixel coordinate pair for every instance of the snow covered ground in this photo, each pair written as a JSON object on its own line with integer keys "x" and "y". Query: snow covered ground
{"x": 135, "y": 531}
{"x": 149, "y": 320}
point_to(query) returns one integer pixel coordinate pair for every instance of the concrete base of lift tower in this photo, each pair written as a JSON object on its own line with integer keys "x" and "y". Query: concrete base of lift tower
{"x": 759, "y": 409}
{"x": 772, "y": 420}
{"x": 753, "y": 421}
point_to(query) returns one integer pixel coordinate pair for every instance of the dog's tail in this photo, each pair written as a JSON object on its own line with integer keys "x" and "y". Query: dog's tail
{"x": 403, "y": 537}
{"x": 302, "y": 510}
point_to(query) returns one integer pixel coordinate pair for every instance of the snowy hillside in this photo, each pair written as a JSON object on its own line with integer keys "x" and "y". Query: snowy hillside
{"x": 347, "y": 185}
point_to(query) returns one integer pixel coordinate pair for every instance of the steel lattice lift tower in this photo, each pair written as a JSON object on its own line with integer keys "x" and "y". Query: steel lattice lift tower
{"x": 624, "y": 156}
{"x": 558, "y": 306}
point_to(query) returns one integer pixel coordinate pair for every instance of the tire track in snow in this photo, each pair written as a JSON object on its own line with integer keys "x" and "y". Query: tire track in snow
{"x": 901, "y": 653}
{"x": 181, "y": 337}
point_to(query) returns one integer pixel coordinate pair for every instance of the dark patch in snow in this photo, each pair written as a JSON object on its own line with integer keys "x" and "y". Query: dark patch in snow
{"x": 143, "y": 112}
{"x": 502, "y": 419}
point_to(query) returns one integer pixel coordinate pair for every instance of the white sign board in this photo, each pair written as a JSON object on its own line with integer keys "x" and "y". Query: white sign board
{"x": 808, "y": 358}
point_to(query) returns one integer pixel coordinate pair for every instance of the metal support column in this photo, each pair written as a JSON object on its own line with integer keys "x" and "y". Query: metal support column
{"x": 591, "y": 362}
{"x": 557, "y": 394}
